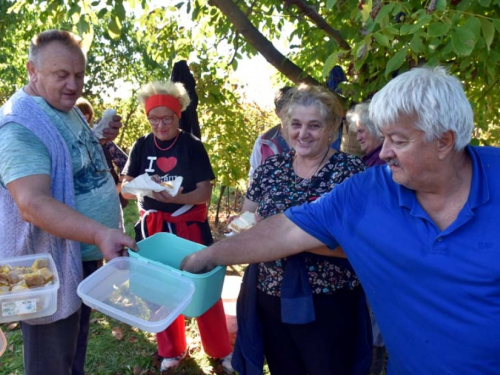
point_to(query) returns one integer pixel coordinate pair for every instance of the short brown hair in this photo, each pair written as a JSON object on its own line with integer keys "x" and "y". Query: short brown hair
{"x": 68, "y": 39}
{"x": 86, "y": 108}
{"x": 281, "y": 98}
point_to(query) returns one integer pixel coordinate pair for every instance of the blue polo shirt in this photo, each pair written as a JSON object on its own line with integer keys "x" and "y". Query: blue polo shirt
{"x": 436, "y": 294}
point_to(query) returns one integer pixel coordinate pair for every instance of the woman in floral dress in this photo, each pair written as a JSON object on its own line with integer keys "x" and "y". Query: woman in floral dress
{"x": 308, "y": 306}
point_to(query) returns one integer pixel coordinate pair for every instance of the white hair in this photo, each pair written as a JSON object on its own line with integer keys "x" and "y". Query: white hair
{"x": 435, "y": 97}
{"x": 175, "y": 89}
{"x": 361, "y": 114}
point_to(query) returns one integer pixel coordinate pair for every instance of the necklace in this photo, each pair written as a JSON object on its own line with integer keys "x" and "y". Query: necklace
{"x": 307, "y": 179}
{"x": 169, "y": 147}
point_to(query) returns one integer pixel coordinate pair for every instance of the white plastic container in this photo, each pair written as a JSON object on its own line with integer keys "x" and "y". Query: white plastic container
{"x": 29, "y": 303}
{"x": 137, "y": 293}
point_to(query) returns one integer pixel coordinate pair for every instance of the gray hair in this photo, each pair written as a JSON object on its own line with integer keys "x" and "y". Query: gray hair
{"x": 329, "y": 106}
{"x": 66, "y": 38}
{"x": 361, "y": 114}
{"x": 434, "y": 96}
{"x": 175, "y": 89}
{"x": 281, "y": 97}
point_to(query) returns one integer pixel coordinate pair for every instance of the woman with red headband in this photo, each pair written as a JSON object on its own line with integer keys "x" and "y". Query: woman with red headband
{"x": 167, "y": 153}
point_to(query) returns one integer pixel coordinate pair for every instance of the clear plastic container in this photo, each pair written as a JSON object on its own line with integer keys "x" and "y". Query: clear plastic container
{"x": 137, "y": 293}
{"x": 31, "y": 303}
{"x": 167, "y": 250}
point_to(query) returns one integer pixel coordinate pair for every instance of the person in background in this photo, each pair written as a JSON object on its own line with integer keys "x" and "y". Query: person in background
{"x": 56, "y": 195}
{"x": 167, "y": 153}
{"x": 319, "y": 337}
{"x": 368, "y": 136}
{"x": 273, "y": 141}
{"x": 421, "y": 234}
{"x": 115, "y": 156}
{"x": 370, "y": 141}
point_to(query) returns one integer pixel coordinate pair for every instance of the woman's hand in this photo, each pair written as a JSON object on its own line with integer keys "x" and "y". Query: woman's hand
{"x": 231, "y": 218}
{"x": 126, "y": 180}
{"x": 165, "y": 197}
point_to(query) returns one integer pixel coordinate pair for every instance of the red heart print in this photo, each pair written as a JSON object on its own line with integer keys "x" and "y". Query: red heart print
{"x": 166, "y": 164}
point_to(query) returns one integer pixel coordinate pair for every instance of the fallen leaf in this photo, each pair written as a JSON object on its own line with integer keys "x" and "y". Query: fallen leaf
{"x": 11, "y": 348}
{"x": 117, "y": 333}
{"x": 93, "y": 320}
{"x": 133, "y": 339}
{"x": 12, "y": 326}
{"x": 136, "y": 370}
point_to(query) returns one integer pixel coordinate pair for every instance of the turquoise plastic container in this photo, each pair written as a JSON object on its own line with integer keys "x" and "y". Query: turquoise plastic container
{"x": 167, "y": 250}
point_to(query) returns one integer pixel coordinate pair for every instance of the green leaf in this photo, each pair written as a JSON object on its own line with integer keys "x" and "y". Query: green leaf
{"x": 114, "y": 28}
{"x": 488, "y": 32}
{"x": 82, "y": 26}
{"x": 447, "y": 49}
{"x": 330, "y": 4}
{"x": 102, "y": 13}
{"x": 463, "y": 41}
{"x": 330, "y": 62}
{"x": 384, "y": 11}
{"x": 382, "y": 39}
{"x": 391, "y": 30}
{"x": 438, "y": 29}
{"x": 396, "y": 61}
{"x": 417, "y": 45}
{"x": 120, "y": 11}
{"x": 366, "y": 10}
{"x": 405, "y": 29}
{"x": 485, "y": 3}
{"x": 424, "y": 20}
{"x": 441, "y": 5}
{"x": 496, "y": 23}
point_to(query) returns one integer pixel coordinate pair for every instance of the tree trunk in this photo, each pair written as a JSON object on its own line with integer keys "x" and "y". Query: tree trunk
{"x": 258, "y": 41}
{"x": 221, "y": 195}
{"x": 319, "y": 21}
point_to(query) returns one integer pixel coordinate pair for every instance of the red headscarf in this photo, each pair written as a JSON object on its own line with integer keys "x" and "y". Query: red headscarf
{"x": 169, "y": 101}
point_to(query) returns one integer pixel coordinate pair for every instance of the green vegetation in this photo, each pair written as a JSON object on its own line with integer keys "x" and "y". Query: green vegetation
{"x": 117, "y": 349}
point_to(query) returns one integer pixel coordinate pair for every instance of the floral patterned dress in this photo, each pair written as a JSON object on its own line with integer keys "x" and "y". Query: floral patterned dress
{"x": 275, "y": 188}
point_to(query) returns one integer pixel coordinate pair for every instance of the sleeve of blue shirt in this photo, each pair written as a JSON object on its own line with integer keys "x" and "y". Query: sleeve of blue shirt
{"x": 324, "y": 218}
{"x": 22, "y": 154}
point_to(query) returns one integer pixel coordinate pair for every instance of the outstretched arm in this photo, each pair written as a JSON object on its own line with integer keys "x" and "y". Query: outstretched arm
{"x": 33, "y": 198}
{"x": 273, "y": 238}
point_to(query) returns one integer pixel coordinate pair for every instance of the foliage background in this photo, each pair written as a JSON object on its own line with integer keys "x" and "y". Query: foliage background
{"x": 132, "y": 42}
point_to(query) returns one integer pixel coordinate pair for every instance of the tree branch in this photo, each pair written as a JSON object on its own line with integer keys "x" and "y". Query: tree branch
{"x": 432, "y": 6}
{"x": 258, "y": 41}
{"x": 319, "y": 21}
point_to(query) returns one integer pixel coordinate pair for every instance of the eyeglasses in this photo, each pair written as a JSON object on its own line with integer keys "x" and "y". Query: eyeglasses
{"x": 155, "y": 121}
{"x": 99, "y": 165}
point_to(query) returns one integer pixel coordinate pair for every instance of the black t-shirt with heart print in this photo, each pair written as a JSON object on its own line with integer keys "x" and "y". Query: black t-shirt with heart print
{"x": 185, "y": 156}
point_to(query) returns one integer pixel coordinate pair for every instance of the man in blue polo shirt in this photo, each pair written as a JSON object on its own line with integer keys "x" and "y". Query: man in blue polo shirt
{"x": 421, "y": 232}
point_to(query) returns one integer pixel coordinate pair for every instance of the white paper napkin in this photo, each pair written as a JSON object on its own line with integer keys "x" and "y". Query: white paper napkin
{"x": 107, "y": 117}
{"x": 143, "y": 185}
